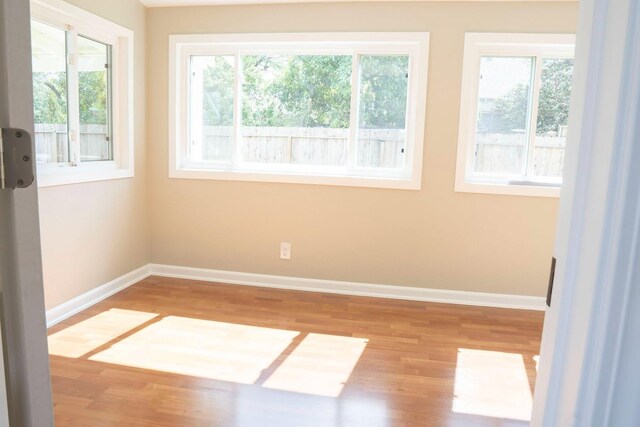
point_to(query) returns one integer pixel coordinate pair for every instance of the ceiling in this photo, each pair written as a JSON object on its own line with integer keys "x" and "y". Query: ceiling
{"x": 168, "y": 3}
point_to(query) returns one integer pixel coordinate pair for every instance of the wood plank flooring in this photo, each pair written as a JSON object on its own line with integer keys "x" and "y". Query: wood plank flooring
{"x": 170, "y": 352}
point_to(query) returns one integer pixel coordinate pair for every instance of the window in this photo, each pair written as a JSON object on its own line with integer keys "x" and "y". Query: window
{"x": 82, "y": 76}
{"x": 513, "y": 113}
{"x": 337, "y": 109}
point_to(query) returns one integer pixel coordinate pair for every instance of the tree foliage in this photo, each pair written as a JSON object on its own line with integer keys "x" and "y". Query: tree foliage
{"x": 283, "y": 91}
{"x": 93, "y": 97}
{"x": 553, "y": 102}
{"x": 307, "y": 91}
{"x": 513, "y": 109}
{"x": 297, "y": 91}
{"x": 50, "y": 97}
{"x": 555, "y": 93}
{"x": 218, "y": 93}
{"x": 383, "y": 92}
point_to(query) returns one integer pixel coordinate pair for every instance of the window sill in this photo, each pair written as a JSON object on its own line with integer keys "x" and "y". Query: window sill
{"x": 531, "y": 190}
{"x": 293, "y": 178}
{"x": 69, "y": 175}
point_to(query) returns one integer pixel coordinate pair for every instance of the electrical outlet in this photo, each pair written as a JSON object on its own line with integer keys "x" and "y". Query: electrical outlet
{"x": 285, "y": 250}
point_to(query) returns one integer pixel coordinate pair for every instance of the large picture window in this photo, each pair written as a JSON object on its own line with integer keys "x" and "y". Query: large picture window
{"x": 343, "y": 109}
{"x": 514, "y": 113}
{"x": 82, "y": 71}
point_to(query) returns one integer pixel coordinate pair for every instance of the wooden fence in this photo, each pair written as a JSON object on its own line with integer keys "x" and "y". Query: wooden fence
{"x": 52, "y": 144}
{"x": 310, "y": 146}
{"x": 315, "y": 146}
{"x": 378, "y": 148}
{"x": 504, "y": 153}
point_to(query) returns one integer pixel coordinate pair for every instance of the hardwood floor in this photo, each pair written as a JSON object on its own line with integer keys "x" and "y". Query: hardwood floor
{"x": 169, "y": 352}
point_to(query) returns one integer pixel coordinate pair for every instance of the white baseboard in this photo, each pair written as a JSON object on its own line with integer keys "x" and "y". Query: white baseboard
{"x": 81, "y": 302}
{"x": 483, "y": 299}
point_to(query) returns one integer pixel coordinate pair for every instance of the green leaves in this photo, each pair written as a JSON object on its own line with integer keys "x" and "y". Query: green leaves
{"x": 383, "y": 92}
{"x": 93, "y": 97}
{"x": 50, "y": 97}
{"x": 218, "y": 93}
{"x": 514, "y": 107}
{"x": 553, "y": 100}
{"x": 307, "y": 91}
{"x": 297, "y": 91}
{"x": 555, "y": 93}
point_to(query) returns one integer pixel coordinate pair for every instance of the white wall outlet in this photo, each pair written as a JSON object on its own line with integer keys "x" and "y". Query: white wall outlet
{"x": 285, "y": 250}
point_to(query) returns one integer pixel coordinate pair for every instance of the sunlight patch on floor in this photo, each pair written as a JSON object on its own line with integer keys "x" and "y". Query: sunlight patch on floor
{"x": 255, "y": 407}
{"x": 201, "y": 348}
{"x": 493, "y": 384}
{"x": 321, "y": 365}
{"x": 86, "y": 336}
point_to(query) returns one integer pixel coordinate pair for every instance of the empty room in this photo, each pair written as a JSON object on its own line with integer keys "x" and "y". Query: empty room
{"x": 318, "y": 213}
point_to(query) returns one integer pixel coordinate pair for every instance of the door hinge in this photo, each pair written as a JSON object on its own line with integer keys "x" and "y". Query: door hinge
{"x": 16, "y": 162}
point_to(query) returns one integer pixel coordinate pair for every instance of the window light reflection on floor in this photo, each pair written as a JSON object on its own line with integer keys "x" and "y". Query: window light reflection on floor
{"x": 202, "y": 348}
{"x": 321, "y": 364}
{"x": 493, "y": 384}
{"x": 87, "y": 335}
{"x": 316, "y": 364}
{"x": 257, "y": 406}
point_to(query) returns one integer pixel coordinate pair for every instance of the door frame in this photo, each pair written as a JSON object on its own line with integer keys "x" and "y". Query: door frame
{"x": 22, "y": 309}
{"x": 586, "y": 375}
{"x": 589, "y": 344}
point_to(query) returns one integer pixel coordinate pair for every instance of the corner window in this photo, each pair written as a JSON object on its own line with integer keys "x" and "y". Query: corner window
{"x": 337, "y": 109}
{"x": 514, "y": 113}
{"x": 82, "y": 70}
{"x": 94, "y": 100}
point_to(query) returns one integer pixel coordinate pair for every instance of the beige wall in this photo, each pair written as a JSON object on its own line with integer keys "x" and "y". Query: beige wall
{"x": 95, "y": 232}
{"x": 432, "y": 238}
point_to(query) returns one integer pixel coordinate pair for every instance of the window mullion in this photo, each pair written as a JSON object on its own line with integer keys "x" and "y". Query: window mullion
{"x": 114, "y": 151}
{"x": 237, "y": 111}
{"x": 531, "y": 137}
{"x": 353, "y": 118}
{"x": 185, "y": 113}
{"x": 73, "y": 94}
{"x": 196, "y": 75}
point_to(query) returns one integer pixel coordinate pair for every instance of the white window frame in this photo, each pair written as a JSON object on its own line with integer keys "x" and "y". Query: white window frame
{"x": 77, "y": 21}
{"x": 477, "y": 45}
{"x": 415, "y": 45}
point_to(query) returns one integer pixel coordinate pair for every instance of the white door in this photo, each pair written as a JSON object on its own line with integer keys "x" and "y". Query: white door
{"x": 588, "y": 372}
{"x": 26, "y": 393}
